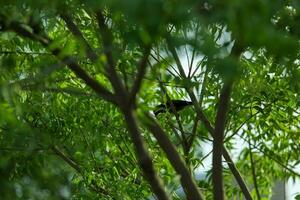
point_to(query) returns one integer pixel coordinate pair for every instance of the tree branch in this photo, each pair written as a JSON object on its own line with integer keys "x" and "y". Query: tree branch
{"x": 265, "y": 153}
{"x": 164, "y": 142}
{"x": 241, "y": 125}
{"x": 203, "y": 87}
{"x": 77, "y": 33}
{"x": 68, "y": 160}
{"x": 75, "y": 166}
{"x": 218, "y": 141}
{"x": 253, "y": 172}
{"x": 69, "y": 61}
{"x": 25, "y": 53}
{"x": 69, "y": 91}
{"x": 183, "y": 138}
{"x": 143, "y": 156}
{"x": 208, "y": 125}
{"x": 140, "y": 75}
{"x": 107, "y": 39}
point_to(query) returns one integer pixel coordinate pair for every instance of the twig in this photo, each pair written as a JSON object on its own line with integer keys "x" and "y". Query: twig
{"x": 193, "y": 135}
{"x": 157, "y": 60}
{"x": 21, "y": 149}
{"x": 164, "y": 92}
{"x": 253, "y": 171}
{"x": 241, "y": 125}
{"x": 203, "y": 87}
{"x": 193, "y": 53}
{"x": 89, "y": 147}
{"x": 75, "y": 166}
{"x": 62, "y": 90}
{"x": 25, "y": 53}
{"x": 68, "y": 160}
{"x": 198, "y": 66}
{"x": 272, "y": 158}
{"x": 140, "y": 75}
{"x": 183, "y": 138}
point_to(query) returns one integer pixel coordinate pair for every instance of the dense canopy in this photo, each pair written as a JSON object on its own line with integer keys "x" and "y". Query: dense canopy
{"x": 80, "y": 82}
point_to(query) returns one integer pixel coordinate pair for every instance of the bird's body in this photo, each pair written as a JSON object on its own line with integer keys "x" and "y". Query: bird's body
{"x": 167, "y": 107}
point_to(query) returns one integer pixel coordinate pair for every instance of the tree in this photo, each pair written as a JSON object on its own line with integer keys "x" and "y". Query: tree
{"x": 79, "y": 80}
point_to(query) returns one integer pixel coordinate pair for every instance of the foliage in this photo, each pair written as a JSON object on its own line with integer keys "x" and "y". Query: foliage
{"x": 60, "y": 138}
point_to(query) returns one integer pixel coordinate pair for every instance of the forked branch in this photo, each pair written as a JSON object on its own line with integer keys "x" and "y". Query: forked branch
{"x": 207, "y": 123}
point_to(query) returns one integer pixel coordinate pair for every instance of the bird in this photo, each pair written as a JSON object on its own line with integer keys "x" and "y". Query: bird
{"x": 167, "y": 107}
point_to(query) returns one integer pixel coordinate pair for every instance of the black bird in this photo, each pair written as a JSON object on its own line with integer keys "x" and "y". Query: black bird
{"x": 178, "y": 105}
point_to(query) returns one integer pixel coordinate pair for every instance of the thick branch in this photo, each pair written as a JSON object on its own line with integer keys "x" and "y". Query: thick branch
{"x": 107, "y": 39}
{"x": 218, "y": 142}
{"x": 238, "y": 177}
{"x": 143, "y": 156}
{"x": 234, "y": 170}
{"x": 208, "y": 125}
{"x": 95, "y": 85}
{"x": 145, "y": 161}
{"x": 174, "y": 158}
{"x": 69, "y": 61}
{"x": 77, "y": 33}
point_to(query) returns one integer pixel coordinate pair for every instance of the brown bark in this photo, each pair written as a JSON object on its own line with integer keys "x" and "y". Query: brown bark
{"x": 120, "y": 99}
{"x": 144, "y": 159}
{"x": 217, "y": 176}
{"x": 186, "y": 179}
{"x": 207, "y": 123}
